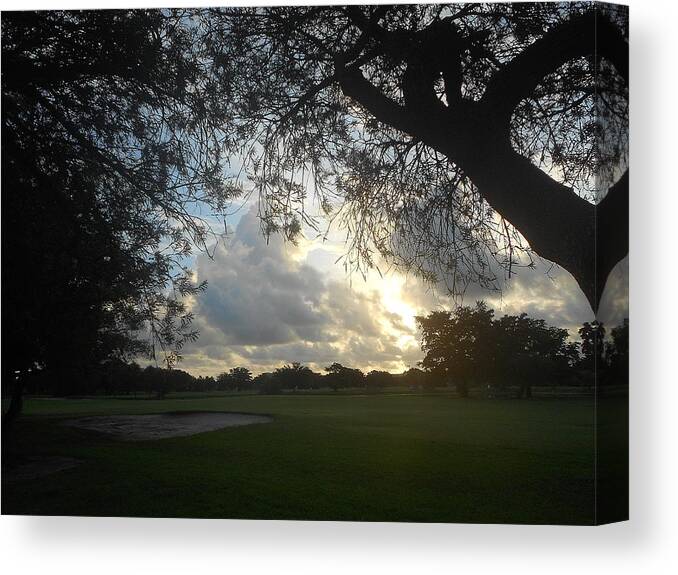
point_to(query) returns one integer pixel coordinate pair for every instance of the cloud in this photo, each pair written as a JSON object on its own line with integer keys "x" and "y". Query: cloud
{"x": 545, "y": 291}
{"x": 269, "y": 303}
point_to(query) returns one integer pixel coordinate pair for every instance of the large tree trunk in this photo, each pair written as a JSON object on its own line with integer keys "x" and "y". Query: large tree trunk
{"x": 585, "y": 239}
{"x": 559, "y": 225}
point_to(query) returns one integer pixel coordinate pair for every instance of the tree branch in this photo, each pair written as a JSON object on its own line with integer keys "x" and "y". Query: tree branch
{"x": 558, "y": 224}
{"x": 586, "y": 34}
{"x": 611, "y": 45}
{"x": 356, "y": 86}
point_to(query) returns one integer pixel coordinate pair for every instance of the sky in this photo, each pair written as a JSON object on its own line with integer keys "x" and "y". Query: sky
{"x": 272, "y": 303}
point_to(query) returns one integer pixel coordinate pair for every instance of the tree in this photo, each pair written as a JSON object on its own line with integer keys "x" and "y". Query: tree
{"x": 592, "y": 344}
{"x": 223, "y": 381}
{"x": 266, "y": 383}
{"x": 469, "y": 347}
{"x": 242, "y": 378}
{"x": 204, "y": 383}
{"x": 237, "y": 379}
{"x": 339, "y": 376}
{"x": 448, "y": 134}
{"x": 617, "y": 354}
{"x": 459, "y": 344}
{"x": 377, "y": 379}
{"x": 529, "y": 351}
{"x": 295, "y": 376}
{"x": 110, "y": 138}
{"x": 440, "y": 136}
{"x": 415, "y": 378}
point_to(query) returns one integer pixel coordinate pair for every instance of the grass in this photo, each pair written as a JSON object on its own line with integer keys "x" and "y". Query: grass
{"x": 325, "y": 457}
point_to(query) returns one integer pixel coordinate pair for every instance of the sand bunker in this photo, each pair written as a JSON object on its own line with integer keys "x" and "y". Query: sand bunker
{"x": 162, "y": 425}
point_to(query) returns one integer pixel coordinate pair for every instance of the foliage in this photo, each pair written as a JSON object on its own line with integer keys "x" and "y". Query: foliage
{"x": 592, "y": 344}
{"x": 439, "y": 136}
{"x": 530, "y": 352}
{"x": 468, "y": 346}
{"x": 377, "y": 379}
{"x": 111, "y": 139}
{"x": 617, "y": 354}
{"x": 265, "y": 383}
{"x": 459, "y": 345}
{"x": 339, "y": 376}
{"x": 465, "y": 348}
{"x": 296, "y": 376}
{"x": 236, "y": 379}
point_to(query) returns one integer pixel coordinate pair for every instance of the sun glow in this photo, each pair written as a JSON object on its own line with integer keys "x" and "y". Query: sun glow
{"x": 391, "y": 288}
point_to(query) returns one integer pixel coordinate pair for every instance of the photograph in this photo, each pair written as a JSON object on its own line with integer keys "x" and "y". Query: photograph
{"x": 340, "y": 263}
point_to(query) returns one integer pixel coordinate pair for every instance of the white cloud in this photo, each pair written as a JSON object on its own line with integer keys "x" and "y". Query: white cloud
{"x": 272, "y": 303}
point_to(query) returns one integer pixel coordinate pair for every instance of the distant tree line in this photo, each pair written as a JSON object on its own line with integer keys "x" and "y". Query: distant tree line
{"x": 467, "y": 349}
{"x": 118, "y": 377}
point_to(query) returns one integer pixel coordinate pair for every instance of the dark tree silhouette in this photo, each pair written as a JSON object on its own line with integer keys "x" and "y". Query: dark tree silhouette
{"x": 378, "y": 379}
{"x": 110, "y": 138}
{"x": 236, "y": 379}
{"x": 459, "y": 345}
{"x": 617, "y": 354}
{"x": 468, "y": 347}
{"x": 529, "y": 351}
{"x": 447, "y": 133}
{"x": 592, "y": 336}
{"x": 416, "y": 378}
{"x": 339, "y": 376}
{"x": 295, "y": 376}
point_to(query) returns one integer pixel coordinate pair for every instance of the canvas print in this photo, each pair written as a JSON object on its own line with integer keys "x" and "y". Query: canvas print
{"x": 336, "y": 262}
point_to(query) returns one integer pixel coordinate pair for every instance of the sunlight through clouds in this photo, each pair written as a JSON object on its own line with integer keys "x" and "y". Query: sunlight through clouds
{"x": 270, "y": 303}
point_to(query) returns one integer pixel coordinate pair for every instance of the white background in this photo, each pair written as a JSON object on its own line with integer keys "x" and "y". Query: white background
{"x": 648, "y": 543}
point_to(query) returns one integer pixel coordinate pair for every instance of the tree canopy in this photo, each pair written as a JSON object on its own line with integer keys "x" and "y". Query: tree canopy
{"x": 339, "y": 376}
{"x": 468, "y": 346}
{"x": 236, "y": 379}
{"x": 440, "y": 136}
{"x": 111, "y": 146}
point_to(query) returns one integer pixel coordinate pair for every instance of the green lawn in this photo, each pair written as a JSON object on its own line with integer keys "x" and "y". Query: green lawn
{"x": 333, "y": 457}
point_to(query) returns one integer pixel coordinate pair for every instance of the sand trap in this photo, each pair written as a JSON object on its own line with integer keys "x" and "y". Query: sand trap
{"x": 162, "y": 425}
{"x": 36, "y": 466}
